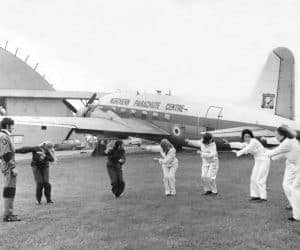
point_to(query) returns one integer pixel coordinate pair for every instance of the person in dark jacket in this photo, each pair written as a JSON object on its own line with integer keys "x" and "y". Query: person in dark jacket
{"x": 116, "y": 159}
{"x": 41, "y": 156}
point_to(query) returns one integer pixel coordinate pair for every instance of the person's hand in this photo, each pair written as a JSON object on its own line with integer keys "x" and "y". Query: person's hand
{"x": 263, "y": 139}
{"x": 186, "y": 141}
{"x": 225, "y": 141}
{"x": 14, "y": 172}
{"x": 121, "y": 161}
{"x": 234, "y": 151}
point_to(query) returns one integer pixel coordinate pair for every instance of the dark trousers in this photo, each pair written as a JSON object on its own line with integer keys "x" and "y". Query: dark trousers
{"x": 41, "y": 177}
{"x": 116, "y": 178}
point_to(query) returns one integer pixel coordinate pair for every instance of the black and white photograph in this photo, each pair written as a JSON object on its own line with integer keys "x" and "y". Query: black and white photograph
{"x": 149, "y": 124}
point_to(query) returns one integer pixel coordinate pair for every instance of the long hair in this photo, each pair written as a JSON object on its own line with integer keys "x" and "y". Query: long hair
{"x": 49, "y": 147}
{"x": 207, "y": 138}
{"x": 118, "y": 144}
{"x": 247, "y": 132}
{"x": 166, "y": 145}
{"x": 286, "y": 132}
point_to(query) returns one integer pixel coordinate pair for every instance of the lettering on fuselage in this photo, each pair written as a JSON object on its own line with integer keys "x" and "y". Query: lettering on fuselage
{"x": 120, "y": 101}
{"x": 147, "y": 104}
{"x": 175, "y": 107}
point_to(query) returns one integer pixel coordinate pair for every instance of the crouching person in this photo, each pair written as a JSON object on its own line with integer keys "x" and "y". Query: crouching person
{"x": 169, "y": 164}
{"x": 116, "y": 159}
{"x": 7, "y": 164}
{"x": 41, "y": 156}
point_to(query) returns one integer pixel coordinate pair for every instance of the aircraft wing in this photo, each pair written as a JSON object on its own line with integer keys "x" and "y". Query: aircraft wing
{"x": 235, "y": 132}
{"x": 93, "y": 125}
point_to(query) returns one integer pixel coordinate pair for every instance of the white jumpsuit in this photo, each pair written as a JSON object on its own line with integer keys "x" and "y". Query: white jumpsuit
{"x": 260, "y": 169}
{"x": 210, "y": 165}
{"x": 290, "y": 149}
{"x": 169, "y": 164}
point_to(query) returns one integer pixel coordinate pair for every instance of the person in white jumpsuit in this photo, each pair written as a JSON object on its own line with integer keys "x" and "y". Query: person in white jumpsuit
{"x": 289, "y": 148}
{"x": 210, "y": 162}
{"x": 260, "y": 171}
{"x": 169, "y": 164}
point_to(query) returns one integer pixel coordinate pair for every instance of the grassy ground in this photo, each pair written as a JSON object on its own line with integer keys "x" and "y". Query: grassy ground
{"x": 86, "y": 215}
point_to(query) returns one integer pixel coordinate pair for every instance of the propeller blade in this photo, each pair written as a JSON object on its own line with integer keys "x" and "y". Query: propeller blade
{"x": 92, "y": 99}
{"x": 69, "y": 134}
{"x": 70, "y": 106}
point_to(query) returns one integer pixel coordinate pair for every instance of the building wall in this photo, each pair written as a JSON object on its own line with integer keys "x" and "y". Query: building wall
{"x": 36, "y": 107}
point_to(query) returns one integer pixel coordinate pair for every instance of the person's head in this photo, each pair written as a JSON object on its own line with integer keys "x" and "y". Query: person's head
{"x": 47, "y": 145}
{"x": 118, "y": 144}
{"x": 207, "y": 138}
{"x": 247, "y": 135}
{"x": 8, "y": 124}
{"x": 283, "y": 132}
{"x": 166, "y": 145}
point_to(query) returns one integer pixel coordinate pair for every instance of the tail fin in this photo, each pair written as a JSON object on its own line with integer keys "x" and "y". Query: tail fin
{"x": 275, "y": 89}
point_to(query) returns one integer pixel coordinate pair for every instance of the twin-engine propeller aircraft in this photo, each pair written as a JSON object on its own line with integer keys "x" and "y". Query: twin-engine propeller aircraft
{"x": 154, "y": 117}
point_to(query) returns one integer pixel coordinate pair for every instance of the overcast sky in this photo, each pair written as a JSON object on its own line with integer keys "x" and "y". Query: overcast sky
{"x": 205, "y": 47}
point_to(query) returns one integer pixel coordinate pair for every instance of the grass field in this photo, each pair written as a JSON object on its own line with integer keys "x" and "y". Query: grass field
{"x": 86, "y": 215}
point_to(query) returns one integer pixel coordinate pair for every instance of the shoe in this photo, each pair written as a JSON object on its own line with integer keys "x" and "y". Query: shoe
{"x": 254, "y": 199}
{"x": 291, "y": 219}
{"x": 50, "y": 202}
{"x": 262, "y": 200}
{"x": 38, "y": 202}
{"x": 173, "y": 194}
{"x": 289, "y": 208}
{"x": 215, "y": 194}
{"x": 11, "y": 218}
{"x": 207, "y": 193}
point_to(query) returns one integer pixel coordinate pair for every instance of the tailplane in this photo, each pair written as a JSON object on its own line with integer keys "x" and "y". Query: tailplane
{"x": 275, "y": 89}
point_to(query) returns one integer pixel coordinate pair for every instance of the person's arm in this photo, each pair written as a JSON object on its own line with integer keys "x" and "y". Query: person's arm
{"x": 238, "y": 145}
{"x": 25, "y": 150}
{"x": 49, "y": 156}
{"x": 283, "y": 148}
{"x": 194, "y": 143}
{"x": 277, "y": 157}
{"x": 169, "y": 157}
{"x": 247, "y": 149}
{"x": 212, "y": 152}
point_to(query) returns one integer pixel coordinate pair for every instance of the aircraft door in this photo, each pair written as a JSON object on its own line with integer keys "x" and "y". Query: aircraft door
{"x": 212, "y": 117}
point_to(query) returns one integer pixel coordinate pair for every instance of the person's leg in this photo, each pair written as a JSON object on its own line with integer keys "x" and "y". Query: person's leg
{"x": 254, "y": 190}
{"x": 120, "y": 181}
{"x": 172, "y": 179}
{"x": 39, "y": 183}
{"x": 9, "y": 192}
{"x": 212, "y": 176}
{"x": 204, "y": 178}
{"x": 262, "y": 178}
{"x": 47, "y": 185}
{"x": 113, "y": 178}
{"x": 288, "y": 179}
{"x": 295, "y": 196}
{"x": 166, "y": 179}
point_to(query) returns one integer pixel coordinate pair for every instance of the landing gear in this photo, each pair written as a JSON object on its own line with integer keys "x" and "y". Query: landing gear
{"x": 100, "y": 148}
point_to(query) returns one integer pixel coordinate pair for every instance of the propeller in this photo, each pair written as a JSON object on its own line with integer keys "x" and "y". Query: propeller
{"x": 82, "y": 112}
{"x": 92, "y": 99}
{"x": 70, "y": 106}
